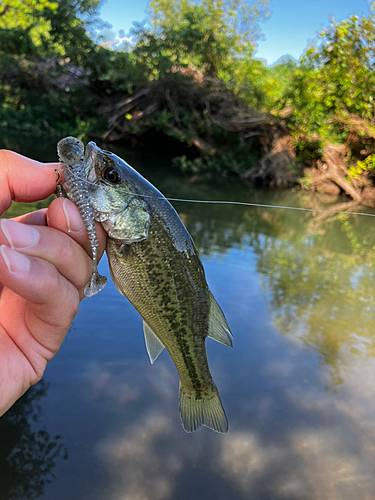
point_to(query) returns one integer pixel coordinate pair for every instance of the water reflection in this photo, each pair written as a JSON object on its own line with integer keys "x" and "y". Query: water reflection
{"x": 299, "y": 386}
{"x": 325, "y": 450}
{"x": 322, "y": 291}
{"x": 27, "y": 455}
{"x": 320, "y": 298}
{"x": 317, "y": 272}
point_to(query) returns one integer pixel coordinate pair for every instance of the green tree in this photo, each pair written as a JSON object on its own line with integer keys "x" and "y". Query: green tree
{"x": 336, "y": 80}
{"x": 236, "y": 20}
{"x": 26, "y": 15}
{"x": 211, "y": 35}
{"x": 45, "y": 55}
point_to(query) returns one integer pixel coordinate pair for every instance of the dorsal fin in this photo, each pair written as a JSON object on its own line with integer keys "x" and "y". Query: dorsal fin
{"x": 153, "y": 345}
{"x": 218, "y": 328}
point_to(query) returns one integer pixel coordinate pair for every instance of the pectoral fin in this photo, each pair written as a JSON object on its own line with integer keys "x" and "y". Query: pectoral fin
{"x": 218, "y": 328}
{"x": 153, "y": 345}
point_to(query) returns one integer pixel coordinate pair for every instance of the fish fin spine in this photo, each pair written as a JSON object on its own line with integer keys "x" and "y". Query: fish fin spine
{"x": 207, "y": 411}
{"x": 218, "y": 328}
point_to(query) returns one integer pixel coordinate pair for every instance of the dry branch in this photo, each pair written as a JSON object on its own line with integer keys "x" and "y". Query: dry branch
{"x": 224, "y": 109}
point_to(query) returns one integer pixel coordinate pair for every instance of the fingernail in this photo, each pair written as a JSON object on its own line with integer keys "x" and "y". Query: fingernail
{"x": 73, "y": 219}
{"x": 19, "y": 235}
{"x": 16, "y": 262}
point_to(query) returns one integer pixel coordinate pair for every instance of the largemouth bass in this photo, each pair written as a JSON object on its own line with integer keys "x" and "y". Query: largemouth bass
{"x": 154, "y": 263}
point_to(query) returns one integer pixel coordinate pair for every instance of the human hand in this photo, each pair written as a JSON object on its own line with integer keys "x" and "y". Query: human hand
{"x": 44, "y": 266}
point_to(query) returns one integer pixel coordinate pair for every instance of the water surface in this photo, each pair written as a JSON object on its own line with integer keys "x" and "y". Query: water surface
{"x": 298, "y": 387}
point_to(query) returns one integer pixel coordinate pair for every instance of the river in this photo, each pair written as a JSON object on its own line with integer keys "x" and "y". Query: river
{"x": 298, "y": 387}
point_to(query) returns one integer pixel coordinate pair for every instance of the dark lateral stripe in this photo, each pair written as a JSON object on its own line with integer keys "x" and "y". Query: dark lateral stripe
{"x": 168, "y": 288}
{"x": 185, "y": 349}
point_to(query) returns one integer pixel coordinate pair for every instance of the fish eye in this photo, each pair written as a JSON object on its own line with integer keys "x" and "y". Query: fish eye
{"x": 111, "y": 175}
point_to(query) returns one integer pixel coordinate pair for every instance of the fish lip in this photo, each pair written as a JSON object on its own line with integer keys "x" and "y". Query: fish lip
{"x": 90, "y": 157}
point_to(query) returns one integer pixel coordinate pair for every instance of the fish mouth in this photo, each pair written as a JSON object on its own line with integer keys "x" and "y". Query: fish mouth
{"x": 90, "y": 161}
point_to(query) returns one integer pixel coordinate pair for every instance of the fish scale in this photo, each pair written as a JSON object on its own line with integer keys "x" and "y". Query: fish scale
{"x": 184, "y": 345}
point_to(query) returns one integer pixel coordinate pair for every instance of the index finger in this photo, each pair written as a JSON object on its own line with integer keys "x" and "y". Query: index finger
{"x": 23, "y": 179}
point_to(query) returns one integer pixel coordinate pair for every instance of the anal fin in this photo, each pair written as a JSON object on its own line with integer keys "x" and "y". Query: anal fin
{"x": 218, "y": 328}
{"x": 153, "y": 345}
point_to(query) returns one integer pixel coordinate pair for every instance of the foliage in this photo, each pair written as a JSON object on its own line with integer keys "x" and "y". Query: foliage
{"x": 236, "y": 163}
{"x": 41, "y": 77}
{"x": 212, "y": 36}
{"x": 362, "y": 166}
{"x": 60, "y": 82}
{"x": 307, "y": 150}
{"x": 55, "y": 77}
{"x": 236, "y": 22}
{"x": 41, "y": 27}
{"x": 18, "y": 16}
{"x": 276, "y": 81}
{"x": 335, "y": 79}
{"x": 305, "y": 181}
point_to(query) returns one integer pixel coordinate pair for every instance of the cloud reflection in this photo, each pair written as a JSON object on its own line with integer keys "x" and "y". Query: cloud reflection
{"x": 328, "y": 454}
{"x": 244, "y": 459}
{"x": 134, "y": 463}
{"x": 292, "y": 442}
{"x": 101, "y": 380}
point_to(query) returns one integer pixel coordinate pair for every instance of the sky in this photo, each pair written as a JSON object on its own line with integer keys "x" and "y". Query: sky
{"x": 292, "y": 24}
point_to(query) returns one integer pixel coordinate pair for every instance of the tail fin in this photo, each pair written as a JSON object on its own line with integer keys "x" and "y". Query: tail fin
{"x": 204, "y": 411}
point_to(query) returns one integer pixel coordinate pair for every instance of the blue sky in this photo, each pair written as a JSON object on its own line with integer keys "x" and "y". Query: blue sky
{"x": 291, "y": 25}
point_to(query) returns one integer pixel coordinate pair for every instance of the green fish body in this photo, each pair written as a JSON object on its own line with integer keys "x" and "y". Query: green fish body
{"x": 154, "y": 263}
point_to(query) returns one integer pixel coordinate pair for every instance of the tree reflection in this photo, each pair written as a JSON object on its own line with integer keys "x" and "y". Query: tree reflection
{"x": 27, "y": 456}
{"x": 218, "y": 229}
{"x": 321, "y": 298}
{"x": 318, "y": 272}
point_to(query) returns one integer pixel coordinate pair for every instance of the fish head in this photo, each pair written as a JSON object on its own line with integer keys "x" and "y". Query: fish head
{"x": 116, "y": 196}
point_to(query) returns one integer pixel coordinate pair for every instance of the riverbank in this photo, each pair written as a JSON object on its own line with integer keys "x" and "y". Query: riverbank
{"x": 201, "y": 98}
{"x": 209, "y": 130}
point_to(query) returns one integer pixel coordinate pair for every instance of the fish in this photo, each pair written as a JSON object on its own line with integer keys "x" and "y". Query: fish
{"x": 153, "y": 261}
{"x": 70, "y": 151}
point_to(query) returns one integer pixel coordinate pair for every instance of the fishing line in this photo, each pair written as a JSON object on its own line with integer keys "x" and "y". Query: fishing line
{"x": 241, "y": 203}
{"x": 271, "y": 206}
